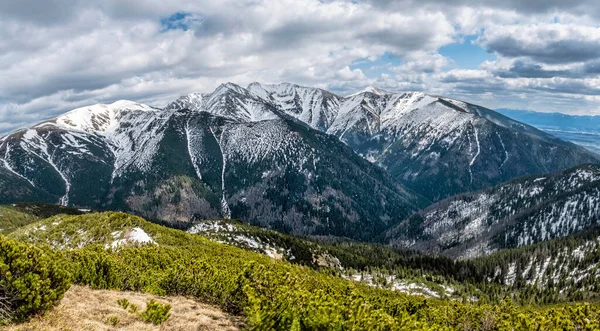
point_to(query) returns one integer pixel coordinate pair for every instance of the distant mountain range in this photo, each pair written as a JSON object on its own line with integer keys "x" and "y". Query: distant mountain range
{"x": 582, "y": 130}
{"x": 297, "y": 159}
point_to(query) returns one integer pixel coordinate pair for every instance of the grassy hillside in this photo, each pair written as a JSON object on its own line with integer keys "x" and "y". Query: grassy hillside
{"x": 522, "y": 274}
{"x": 380, "y": 266}
{"x": 560, "y": 270}
{"x": 11, "y": 219}
{"x": 122, "y": 252}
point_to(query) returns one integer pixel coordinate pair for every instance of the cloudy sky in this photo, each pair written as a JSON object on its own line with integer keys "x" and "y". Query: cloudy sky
{"x": 56, "y": 55}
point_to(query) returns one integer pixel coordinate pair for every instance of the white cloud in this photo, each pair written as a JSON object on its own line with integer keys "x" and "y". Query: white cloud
{"x": 465, "y": 75}
{"x": 71, "y": 53}
{"x": 548, "y": 43}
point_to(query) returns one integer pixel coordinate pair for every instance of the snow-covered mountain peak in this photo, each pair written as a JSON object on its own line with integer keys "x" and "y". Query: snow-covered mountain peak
{"x": 193, "y": 101}
{"x": 99, "y": 117}
{"x": 412, "y": 100}
{"x": 436, "y": 146}
{"x": 264, "y": 91}
{"x": 370, "y": 89}
{"x": 129, "y": 105}
{"x": 229, "y": 87}
{"x": 235, "y": 102}
{"x": 259, "y": 90}
{"x": 256, "y": 85}
{"x": 423, "y": 139}
{"x": 277, "y": 92}
{"x": 313, "y": 106}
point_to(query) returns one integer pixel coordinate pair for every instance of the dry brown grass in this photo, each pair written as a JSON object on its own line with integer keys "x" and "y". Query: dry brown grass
{"x": 85, "y": 309}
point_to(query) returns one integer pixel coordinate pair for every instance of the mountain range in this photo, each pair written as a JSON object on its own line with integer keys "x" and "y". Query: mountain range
{"x": 434, "y": 145}
{"x": 176, "y": 166}
{"x": 579, "y": 129}
{"x": 297, "y": 159}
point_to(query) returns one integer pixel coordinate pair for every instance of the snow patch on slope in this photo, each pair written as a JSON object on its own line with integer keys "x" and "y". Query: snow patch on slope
{"x": 134, "y": 236}
{"x": 35, "y": 144}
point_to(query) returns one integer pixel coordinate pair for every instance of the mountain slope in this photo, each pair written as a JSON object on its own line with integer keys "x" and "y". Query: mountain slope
{"x": 520, "y": 212}
{"x": 315, "y": 107}
{"x": 434, "y": 145}
{"x": 440, "y": 147}
{"x": 559, "y": 270}
{"x": 75, "y": 157}
{"x": 377, "y": 265}
{"x": 563, "y": 268}
{"x": 270, "y": 294}
{"x": 180, "y": 165}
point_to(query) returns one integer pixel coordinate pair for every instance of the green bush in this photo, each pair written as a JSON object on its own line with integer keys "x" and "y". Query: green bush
{"x": 124, "y": 303}
{"x": 275, "y": 295}
{"x": 31, "y": 280}
{"x": 133, "y": 308}
{"x": 156, "y": 312}
{"x": 112, "y": 321}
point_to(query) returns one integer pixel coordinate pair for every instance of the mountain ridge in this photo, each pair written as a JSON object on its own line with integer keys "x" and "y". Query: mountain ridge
{"x": 181, "y": 165}
{"x": 583, "y": 130}
{"x": 422, "y": 140}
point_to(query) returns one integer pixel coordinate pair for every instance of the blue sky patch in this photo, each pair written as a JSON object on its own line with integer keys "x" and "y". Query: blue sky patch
{"x": 177, "y": 21}
{"x": 379, "y": 66}
{"x": 467, "y": 54}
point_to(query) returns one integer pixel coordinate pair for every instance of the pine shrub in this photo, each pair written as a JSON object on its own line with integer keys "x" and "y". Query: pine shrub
{"x": 32, "y": 280}
{"x": 276, "y": 295}
{"x": 156, "y": 312}
{"x": 133, "y": 308}
{"x": 123, "y": 303}
{"x": 112, "y": 321}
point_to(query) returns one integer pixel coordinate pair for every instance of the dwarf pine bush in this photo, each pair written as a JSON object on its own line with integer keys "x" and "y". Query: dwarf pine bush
{"x": 112, "y": 321}
{"x": 123, "y": 303}
{"x": 31, "y": 280}
{"x": 277, "y": 295}
{"x": 156, "y": 312}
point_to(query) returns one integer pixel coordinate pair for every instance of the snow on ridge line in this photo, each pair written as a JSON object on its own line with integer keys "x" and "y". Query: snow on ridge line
{"x": 117, "y": 105}
{"x": 270, "y": 93}
{"x": 210, "y": 226}
{"x": 99, "y": 117}
{"x": 370, "y": 89}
